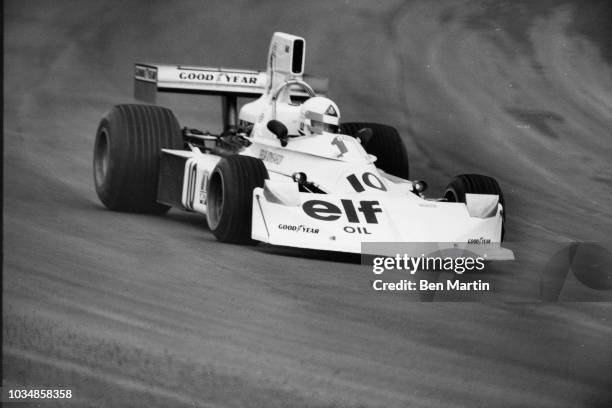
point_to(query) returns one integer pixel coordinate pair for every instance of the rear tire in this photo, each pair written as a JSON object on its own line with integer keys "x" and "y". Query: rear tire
{"x": 230, "y": 197}
{"x": 386, "y": 144}
{"x": 475, "y": 184}
{"x": 126, "y": 156}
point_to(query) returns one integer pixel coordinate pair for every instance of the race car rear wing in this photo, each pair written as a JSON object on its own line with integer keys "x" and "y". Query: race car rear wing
{"x": 285, "y": 62}
{"x": 149, "y": 79}
{"x": 153, "y": 78}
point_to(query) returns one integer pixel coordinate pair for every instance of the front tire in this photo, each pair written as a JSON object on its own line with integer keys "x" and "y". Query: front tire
{"x": 386, "y": 144}
{"x": 127, "y": 153}
{"x": 475, "y": 184}
{"x": 230, "y": 197}
{"x": 472, "y": 184}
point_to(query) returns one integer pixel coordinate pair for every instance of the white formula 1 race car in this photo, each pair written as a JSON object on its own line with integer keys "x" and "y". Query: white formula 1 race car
{"x": 285, "y": 170}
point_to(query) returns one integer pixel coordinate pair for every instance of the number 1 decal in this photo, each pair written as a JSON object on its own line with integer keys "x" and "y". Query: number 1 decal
{"x": 339, "y": 143}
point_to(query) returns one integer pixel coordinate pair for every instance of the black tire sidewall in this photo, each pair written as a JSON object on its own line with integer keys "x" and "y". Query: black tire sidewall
{"x": 111, "y": 187}
{"x": 239, "y": 175}
{"x": 474, "y": 184}
{"x": 135, "y": 136}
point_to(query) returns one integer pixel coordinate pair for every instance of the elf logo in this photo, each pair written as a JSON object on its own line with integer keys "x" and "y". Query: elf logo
{"x": 325, "y": 211}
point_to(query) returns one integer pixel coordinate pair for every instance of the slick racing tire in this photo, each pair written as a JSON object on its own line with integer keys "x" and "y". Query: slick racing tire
{"x": 127, "y": 153}
{"x": 230, "y": 197}
{"x": 474, "y": 184}
{"x": 386, "y": 144}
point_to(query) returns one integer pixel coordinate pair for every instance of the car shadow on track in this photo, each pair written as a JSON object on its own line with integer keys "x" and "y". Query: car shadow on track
{"x": 310, "y": 254}
{"x": 192, "y": 219}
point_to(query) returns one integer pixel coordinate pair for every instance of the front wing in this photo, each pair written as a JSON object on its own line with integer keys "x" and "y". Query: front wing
{"x": 343, "y": 222}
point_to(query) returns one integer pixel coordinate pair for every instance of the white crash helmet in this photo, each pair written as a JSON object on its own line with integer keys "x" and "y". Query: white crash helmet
{"x": 319, "y": 114}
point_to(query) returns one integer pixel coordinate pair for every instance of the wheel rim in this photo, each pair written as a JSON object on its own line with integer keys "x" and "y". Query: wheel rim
{"x": 101, "y": 157}
{"x": 216, "y": 197}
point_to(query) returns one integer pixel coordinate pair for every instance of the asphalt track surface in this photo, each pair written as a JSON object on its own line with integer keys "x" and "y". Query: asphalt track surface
{"x": 135, "y": 310}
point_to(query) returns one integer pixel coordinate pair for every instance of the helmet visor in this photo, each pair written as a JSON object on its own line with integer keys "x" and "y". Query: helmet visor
{"x": 322, "y": 126}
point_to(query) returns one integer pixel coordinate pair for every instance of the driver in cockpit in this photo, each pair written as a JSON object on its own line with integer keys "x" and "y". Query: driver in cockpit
{"x": 319, "y": 114}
